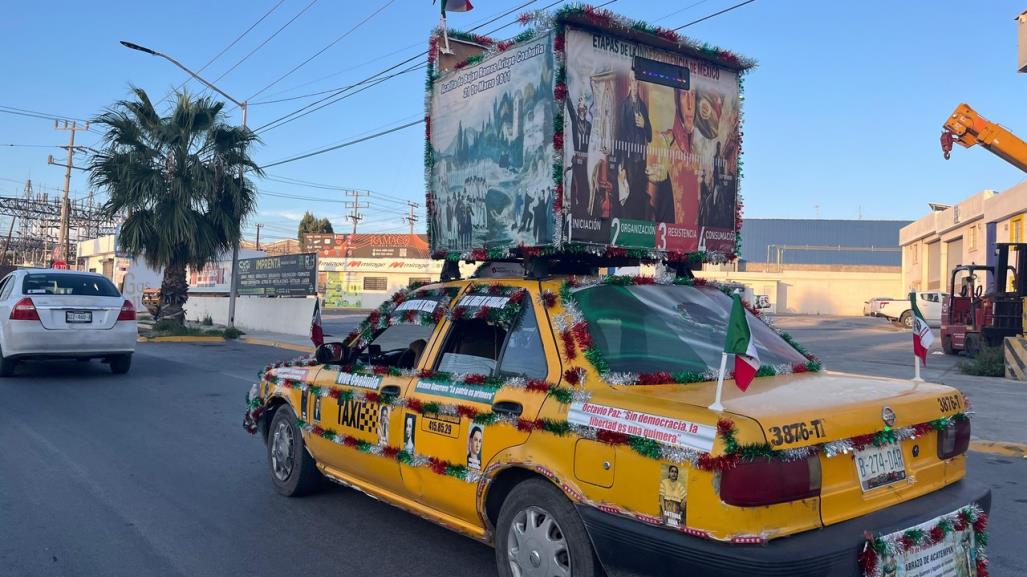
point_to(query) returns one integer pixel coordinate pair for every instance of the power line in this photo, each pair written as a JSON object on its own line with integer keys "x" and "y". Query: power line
{"x": 707, "y": 17}
{"x": 269, "y": 38}
{"x": 343, "y": 145}
{"x": 234, "y": 42}
{"x": 321, "y": 51}
{"x": 680, "y": 10}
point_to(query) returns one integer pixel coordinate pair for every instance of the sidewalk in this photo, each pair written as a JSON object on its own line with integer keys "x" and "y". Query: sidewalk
{"x": 282, "y": 341}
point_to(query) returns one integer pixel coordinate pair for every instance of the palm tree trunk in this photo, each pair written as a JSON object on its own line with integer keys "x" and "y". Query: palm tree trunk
{"x": 174, "y": 291}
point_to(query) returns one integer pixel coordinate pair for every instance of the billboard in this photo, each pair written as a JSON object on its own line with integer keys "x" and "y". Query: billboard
{"x": 286, "y": 275}
{"x": 491, "y": 181}
{"x": 652, "y": 141}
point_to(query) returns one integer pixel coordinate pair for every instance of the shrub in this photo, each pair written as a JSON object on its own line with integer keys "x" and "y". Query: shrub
{"x": 207, "y": 321}
{"x": 989, "y": 362}
{"x": 232, "y": 333}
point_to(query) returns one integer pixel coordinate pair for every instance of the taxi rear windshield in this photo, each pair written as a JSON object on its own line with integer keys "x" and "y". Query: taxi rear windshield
{"x": 651, "y": 328}
{"x": 69, "y": 284}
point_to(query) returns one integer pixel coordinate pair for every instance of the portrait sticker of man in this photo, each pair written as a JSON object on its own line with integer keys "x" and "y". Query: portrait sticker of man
{"x": 634, "y": 132}
{"x": 474, "y": 443}
{"x": 673, "y": 493}
{"x": 409, "y": 430}
{"x": 383, "y": 426}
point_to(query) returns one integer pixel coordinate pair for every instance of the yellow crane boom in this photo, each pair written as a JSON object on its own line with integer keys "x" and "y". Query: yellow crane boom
{"x": 966, "y": 127}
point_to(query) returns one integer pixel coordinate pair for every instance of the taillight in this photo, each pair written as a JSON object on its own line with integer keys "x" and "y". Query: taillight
{"x": 954, "y": 440}
{"x": 766, "y": 481}
{"x": 128, "y": 311}
{"x": 24, "y": 310}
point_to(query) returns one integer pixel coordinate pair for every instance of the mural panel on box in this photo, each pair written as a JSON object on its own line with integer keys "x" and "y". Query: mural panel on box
{"x": 492, "y": 140}
{"x": 652, "y": 139}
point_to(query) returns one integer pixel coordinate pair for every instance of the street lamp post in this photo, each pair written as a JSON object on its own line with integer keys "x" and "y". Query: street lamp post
{"x": 234, "y": 288}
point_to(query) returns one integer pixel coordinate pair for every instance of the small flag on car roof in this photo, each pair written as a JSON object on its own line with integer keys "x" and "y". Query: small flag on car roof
{"x": 741, "y": 343}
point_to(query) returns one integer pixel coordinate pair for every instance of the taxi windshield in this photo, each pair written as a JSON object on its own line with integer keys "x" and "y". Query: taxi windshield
{"x": 651, "y": 328}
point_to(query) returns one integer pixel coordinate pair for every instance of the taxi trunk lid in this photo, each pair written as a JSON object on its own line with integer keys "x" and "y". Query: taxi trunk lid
{"x": 796, "y": 411}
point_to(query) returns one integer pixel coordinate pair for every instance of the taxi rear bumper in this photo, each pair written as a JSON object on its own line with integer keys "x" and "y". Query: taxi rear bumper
{"x": 627, "y": 547}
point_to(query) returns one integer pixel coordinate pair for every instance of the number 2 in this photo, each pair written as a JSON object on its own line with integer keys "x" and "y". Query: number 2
{"x": 616, "y": 230}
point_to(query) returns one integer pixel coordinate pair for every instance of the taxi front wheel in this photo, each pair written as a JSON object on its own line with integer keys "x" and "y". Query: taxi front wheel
{"x": 292, "y": 469}
{"x": 539, "y": 534}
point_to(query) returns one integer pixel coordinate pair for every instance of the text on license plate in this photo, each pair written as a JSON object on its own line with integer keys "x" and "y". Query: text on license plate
{"x": 880, "y": 466}
{"x": 78, "y": 317}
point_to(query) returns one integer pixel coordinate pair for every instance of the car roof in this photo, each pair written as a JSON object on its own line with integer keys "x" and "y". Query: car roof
{"x": 57, "y": 271}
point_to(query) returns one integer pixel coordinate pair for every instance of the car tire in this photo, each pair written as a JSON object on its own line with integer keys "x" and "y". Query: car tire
{"x": 946, "y": 345}
{"x": 906, "y": 319}
{"x": 540, "y": 533}
{"x": 121, "y": 364}
{"x": 7, "y": 366}
{"x": 293, "y": 470}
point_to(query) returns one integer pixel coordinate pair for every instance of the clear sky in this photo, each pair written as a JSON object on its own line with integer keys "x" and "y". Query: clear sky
{"x": 842, "y": 114}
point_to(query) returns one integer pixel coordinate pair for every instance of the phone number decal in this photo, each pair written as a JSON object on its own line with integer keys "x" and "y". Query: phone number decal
{"x": 795, "y": 432}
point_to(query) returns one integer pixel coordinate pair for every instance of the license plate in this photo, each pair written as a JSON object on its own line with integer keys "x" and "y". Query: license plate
{"x": 880, "y": 466}
{"x": 78, "y": 317}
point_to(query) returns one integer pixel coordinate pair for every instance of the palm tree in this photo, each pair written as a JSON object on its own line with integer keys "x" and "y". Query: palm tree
{"x": 178, "y": 180}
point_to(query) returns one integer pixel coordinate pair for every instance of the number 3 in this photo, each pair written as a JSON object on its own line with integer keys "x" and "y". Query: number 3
{"x": 661, "y": 236}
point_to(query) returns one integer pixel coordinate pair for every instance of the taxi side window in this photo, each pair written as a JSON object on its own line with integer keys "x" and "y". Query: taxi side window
{"x": 473, "y": 346}
{"x": 523, "y": 355}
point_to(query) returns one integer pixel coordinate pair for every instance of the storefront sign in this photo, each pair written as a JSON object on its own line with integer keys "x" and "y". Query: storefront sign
{"x": 286, "y": 275}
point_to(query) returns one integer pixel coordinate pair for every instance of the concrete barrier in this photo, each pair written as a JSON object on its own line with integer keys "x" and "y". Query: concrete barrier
{"x": 290, "y": 316}
{"x": 1015, "y": 353}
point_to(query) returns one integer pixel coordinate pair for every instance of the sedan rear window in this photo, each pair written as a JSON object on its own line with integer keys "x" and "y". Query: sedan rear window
{"x": 69, "y": 284}
{"x": 669, "y": 328}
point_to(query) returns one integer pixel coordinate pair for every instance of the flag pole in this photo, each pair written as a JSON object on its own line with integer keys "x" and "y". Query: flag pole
{"x": 916, "y": 370}
{"x": 717, "y": 406}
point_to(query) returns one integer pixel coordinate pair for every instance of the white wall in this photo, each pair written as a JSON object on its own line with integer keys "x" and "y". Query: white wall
{"x": 290, "y": 316}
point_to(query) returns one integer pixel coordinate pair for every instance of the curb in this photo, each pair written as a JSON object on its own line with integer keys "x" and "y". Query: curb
{"x": 276, "y": 344}
{"x": 181, "y": 339}
{"x": 1000, "y": 448}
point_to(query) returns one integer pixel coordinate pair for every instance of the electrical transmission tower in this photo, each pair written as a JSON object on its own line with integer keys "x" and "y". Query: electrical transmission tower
{"x": 355, "y": 205}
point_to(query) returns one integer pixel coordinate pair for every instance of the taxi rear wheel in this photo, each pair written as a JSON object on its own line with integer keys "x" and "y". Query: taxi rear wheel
{"x": 292, "y": 469}
{"x": 539, "y": 534}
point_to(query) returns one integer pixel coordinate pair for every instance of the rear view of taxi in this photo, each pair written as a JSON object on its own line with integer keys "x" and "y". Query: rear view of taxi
{"x": 61, "y": 314}
{"x": 567, "y": 422}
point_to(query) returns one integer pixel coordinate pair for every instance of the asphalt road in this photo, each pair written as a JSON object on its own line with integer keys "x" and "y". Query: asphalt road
{"x": 152, "y": 474}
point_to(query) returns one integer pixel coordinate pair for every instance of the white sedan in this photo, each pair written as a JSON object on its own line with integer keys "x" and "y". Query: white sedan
{"x": 49, "y": 313}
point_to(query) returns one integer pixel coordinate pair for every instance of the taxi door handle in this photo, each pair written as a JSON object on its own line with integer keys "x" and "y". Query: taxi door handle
{"x": 392, "y": 390}
{"x": 507, "y": 408}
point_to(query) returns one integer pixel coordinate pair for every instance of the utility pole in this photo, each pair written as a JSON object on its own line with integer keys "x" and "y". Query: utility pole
{"x": 7, "y": 244}
{"x": 355, "y": 205}
{"x": 259, "y": 226}
{"x": 64, "y": 242}
{"x": 411, "y": 218}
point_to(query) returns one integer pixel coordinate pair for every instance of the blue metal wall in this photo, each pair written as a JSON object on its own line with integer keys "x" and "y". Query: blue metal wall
{"x": 758, "y": 233}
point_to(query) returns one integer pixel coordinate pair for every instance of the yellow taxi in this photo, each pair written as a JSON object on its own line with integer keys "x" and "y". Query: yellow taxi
{"x": 565, "y": 421}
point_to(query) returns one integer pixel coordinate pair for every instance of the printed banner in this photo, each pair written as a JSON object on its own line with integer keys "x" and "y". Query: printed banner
{"x": 476, "y": 394}
{"x": 676, "y": 432}
{"x": 954, "y": 556}
{"x": 492, "y": 141}
{"x": 652, "y": 141}
{"x": 286, "y": 275}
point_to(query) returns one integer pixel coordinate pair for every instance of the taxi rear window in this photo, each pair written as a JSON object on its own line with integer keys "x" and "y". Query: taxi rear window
{"x": 669, "y": 328}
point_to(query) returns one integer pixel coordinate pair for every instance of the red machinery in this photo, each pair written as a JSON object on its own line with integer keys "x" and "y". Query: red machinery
{"x": 970, "y": 317}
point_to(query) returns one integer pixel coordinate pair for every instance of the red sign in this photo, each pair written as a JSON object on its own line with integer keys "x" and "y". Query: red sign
{"x": 59, "y": 264}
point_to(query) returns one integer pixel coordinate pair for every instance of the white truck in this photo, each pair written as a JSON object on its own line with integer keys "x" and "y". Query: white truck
{"x": 900, "y": 311}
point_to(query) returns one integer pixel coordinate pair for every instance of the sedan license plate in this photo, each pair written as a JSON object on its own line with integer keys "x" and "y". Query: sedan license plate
{"x": 880, "y": 466}
{"x": 78, "y": 317}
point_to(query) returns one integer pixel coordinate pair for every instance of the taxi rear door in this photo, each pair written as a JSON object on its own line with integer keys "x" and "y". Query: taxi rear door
{"x": 472, "y": 346}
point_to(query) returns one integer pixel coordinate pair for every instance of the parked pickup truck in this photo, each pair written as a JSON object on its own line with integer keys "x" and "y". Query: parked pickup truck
{"x": 899, "y": 311}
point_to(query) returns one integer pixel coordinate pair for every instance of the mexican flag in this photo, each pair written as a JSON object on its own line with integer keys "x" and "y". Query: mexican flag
{"x": 740, "y": 343}
{"x": 922, "y": 335}
{"x": 455, "y": 6}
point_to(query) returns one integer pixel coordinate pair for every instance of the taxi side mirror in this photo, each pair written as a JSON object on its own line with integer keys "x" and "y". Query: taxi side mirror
{"x": 332, "y": 353}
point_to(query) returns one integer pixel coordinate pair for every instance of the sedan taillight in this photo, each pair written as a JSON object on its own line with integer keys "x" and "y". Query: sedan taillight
{"x": 128, "y": 311}
{"x": 24, "y": 310}
{"x": 769, "y": 481}
{"x": 954, "y": 440}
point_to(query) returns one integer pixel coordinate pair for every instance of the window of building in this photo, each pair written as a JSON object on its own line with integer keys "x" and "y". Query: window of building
{"x": 972, "y": 234}
{"x": 375, "y": 283}
{"x": 1016, "y": 229}
{"x": 915, "y": 250}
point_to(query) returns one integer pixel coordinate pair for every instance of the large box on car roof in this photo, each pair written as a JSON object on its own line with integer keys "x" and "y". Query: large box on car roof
{"x": 586, "y": 133}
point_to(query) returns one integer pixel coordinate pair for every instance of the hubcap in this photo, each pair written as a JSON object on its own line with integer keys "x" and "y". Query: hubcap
{"x": 536, "y": 546}
{"x": 281, "y": 451}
